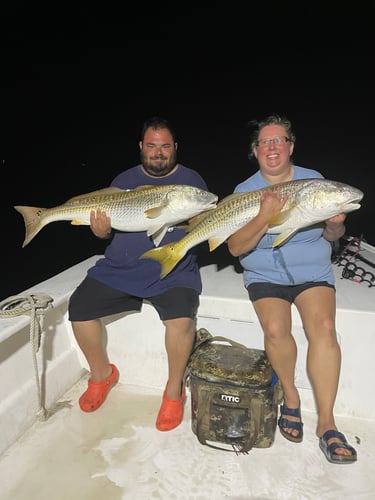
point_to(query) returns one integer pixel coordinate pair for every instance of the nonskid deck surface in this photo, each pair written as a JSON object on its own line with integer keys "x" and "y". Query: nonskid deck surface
{"x": 116, "y": 453}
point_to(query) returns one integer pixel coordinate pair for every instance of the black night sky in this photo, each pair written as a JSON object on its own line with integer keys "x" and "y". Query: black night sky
{"x": 71, "y": 121}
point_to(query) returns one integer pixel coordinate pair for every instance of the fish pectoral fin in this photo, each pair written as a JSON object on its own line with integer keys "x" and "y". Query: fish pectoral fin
{"x": 280, "y": 218}
{"x": 79, "y": 222}
{"x": 215, "y": 241}
{"x": 283, "y": 237}
{"x": 153, "y": 213}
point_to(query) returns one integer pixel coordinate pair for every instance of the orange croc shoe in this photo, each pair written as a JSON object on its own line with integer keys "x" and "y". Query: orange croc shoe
{"x": 171, "y": 412}
{"x": 96, "y": 392}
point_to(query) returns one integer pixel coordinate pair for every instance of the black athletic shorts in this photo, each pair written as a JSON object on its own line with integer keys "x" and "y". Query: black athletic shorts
{"x": 287, "y": 292}
{"x": 93, "y": 299}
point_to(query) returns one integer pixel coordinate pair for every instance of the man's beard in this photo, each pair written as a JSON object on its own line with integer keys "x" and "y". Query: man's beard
{"x": 159, "y": 168}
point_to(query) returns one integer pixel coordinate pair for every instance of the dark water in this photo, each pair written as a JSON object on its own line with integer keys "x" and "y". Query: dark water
{"x": 70, "y": 129}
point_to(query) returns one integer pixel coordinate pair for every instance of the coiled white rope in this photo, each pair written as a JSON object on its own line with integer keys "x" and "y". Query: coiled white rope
{"x": 34, "y": 305}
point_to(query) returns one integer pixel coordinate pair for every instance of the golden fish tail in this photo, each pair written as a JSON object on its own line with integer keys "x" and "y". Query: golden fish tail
{"x": 33, "y": 220}
{"x": 168, "y": 257}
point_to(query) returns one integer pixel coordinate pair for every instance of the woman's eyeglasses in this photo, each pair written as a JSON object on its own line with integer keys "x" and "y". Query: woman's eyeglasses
{"x": 262, "y": 143}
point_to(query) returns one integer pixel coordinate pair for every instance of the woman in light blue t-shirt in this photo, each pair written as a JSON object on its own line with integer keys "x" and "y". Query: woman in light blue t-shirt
{"x": 299, "y": 272}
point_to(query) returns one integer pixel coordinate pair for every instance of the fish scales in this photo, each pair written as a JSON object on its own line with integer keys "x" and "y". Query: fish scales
{"x": 310, "y": 201}
{"x": 147, "y": 208}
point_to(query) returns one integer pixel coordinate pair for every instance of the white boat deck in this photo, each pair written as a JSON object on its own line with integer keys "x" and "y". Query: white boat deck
{"x": 116, "y": 452}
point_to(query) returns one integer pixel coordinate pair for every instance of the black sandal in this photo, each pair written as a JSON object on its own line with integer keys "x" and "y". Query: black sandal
{"x": 329, "y": 450}
{"x": 285, "y": 423}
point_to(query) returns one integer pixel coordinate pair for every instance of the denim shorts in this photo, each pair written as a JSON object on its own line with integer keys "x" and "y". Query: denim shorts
{"x": 93, "y": 299}
{"x": 287, "y": 292}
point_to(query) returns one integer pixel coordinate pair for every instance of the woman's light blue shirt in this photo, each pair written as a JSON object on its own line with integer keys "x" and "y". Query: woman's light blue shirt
{"x": 304, "y": 257}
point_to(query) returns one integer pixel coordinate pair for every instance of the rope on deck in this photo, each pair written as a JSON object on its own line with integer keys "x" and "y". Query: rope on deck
{"x": 36, "y": 306}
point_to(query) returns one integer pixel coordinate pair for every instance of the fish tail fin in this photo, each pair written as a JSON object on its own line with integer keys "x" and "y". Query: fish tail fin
{"x": 167, "y": 256}
{"x": 33, "y": 220}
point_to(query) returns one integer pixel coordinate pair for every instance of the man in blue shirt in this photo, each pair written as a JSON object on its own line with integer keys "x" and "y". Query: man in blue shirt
{"x": 120, "y": 281}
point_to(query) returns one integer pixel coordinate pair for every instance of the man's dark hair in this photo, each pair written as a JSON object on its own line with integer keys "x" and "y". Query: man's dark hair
{"x": 157, "y": 123}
